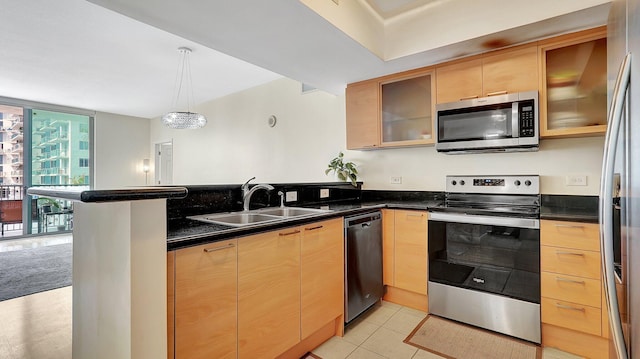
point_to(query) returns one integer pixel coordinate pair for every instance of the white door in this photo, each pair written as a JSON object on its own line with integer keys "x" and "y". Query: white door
{"x": 164, "y": 163}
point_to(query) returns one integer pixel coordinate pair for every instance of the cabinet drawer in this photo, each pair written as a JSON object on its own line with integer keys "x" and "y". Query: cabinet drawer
{"x": 572, "y": 289}
{"x": 573, "y": 262}
{"x": 571, "y": 315}
{"x": 570, "y": 235}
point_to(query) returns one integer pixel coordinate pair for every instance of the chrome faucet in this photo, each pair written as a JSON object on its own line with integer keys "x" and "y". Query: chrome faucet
{"x": 247, "y": 193}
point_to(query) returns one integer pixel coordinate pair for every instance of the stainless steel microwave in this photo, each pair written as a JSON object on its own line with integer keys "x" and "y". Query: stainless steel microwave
{"x": 502, "y": 123}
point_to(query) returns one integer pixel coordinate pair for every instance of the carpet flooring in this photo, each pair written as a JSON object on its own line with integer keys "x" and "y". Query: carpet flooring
{"x": 460, "y": 341}
{"x": 33, "y": 270}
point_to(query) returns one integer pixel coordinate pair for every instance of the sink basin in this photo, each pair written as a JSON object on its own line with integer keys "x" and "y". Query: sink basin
{"x": 290, "y": 211}
{"x": 237, "y": 219}
{"x": 246, "y": 218}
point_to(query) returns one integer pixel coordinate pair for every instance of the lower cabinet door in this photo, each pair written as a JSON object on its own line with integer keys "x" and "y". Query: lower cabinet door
{"x": 411, "y": 251}
{"x": 268, "y": 293}
{"x": 322, "y": 274}
{"x": 205, "y": 301}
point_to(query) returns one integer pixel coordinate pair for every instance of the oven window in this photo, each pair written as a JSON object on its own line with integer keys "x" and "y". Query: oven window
{"x": 495, "y": 259}
{"x": 485, "y": 123}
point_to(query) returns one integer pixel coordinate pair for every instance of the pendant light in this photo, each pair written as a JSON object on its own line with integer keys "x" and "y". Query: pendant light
{"x": 181, "y": 119}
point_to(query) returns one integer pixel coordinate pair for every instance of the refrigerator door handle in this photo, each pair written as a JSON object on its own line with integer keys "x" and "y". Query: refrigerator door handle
{"x": 606, "y": 203}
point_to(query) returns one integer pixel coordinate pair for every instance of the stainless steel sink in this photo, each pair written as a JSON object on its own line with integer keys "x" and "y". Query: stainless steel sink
{"x": 258, "y": 216}
{"x": 290, "y": 211}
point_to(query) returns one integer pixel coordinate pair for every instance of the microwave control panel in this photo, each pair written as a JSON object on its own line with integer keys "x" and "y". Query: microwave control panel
{"x": 526, "y": 112}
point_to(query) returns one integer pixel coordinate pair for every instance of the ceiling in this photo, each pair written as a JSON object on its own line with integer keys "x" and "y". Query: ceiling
{"x": 120, "y": 56}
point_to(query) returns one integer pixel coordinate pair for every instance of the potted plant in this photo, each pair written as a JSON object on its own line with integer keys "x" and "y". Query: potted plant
{"x": 346, "y": 171}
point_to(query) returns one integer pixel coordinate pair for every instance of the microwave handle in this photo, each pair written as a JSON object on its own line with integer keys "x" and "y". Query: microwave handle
{"x": 515, "y": 120}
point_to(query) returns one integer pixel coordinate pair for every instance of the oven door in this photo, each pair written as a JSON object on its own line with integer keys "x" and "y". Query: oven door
{"x": 498, "y": 255}
{"x": 485, "y": 271}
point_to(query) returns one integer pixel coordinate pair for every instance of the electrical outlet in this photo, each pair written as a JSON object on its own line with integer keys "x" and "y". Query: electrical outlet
{"x": 576, "y": 180}
{"x": 291, "y": 196}
{"x": 324, "y": 193}
{"x": 395, "y": 180}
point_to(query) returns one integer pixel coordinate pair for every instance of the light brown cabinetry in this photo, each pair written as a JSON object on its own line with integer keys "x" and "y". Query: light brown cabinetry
{"x": 571, "y": 287}
{"x": 322, "y": 275}
{"x": 278, "y": 293}
{"x": 499, "y": 72}
{"x": 391, "y": 111}
{"x": 268, "y": 293}
{"x": 405, "y": 252}
{"x": 363, "y": 115}
{"x": 573, "y": 97}
{"x": 205, "y": 301}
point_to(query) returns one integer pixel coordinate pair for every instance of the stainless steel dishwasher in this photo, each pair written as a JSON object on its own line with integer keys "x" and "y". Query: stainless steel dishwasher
{"x": 363, "y": 264}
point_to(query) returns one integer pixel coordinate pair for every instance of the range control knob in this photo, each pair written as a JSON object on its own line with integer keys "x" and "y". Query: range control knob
{"x": 454, "y": 182}
{"x": 462, "y": 182}
{"x": 517, "y": 183}
{"x": 527, "y": 183}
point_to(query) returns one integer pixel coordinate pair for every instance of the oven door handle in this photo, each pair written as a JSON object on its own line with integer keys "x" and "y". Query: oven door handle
{"x": 485, "y": 220}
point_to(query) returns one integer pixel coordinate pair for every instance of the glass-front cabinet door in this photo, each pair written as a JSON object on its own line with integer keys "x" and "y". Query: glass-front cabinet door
{"x": 407, "y": 110}
{"x": 574, "y": 98}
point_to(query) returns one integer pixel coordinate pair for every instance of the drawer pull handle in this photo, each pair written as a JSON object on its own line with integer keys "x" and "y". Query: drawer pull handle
{"x": 497, "y": 93}
{"x": 562, "y": 306}
{"x": 469, "y": 97}
{"x": 559, "y": 279}
{"x": 209, "y": 250}
{"x": 313, "y": 228}
{"x": 289, "y": 233}
{"x": 570, "y": 253}
{"x": 415, "y": 215}
{"x": 568, "y": 226}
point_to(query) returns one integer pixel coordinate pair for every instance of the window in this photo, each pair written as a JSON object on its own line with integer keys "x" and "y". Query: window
{"x": 84, "y": 162}
{"x": 84, "y": 145}
{"x": 84, "y": 128}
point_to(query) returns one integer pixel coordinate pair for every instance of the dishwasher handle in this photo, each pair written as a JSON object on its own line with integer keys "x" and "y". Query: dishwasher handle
{"x": 362, "y": 220}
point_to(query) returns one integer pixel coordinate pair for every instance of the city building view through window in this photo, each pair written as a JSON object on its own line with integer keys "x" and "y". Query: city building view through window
{"x": 40, "y": 148}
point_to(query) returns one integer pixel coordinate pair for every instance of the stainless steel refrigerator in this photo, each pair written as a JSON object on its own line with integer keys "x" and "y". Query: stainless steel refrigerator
{"x": 620, "y": 182}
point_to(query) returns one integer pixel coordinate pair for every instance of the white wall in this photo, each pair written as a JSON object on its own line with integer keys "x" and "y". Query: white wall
{"x": 120, "y": 145}
{"x": 237, "y": 144}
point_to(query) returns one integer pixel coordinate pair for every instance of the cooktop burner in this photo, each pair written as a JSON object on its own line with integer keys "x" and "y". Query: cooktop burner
{"x": 513, "y": 196}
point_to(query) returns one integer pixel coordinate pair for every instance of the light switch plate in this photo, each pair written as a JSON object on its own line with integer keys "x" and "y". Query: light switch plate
{"x": 291, "y": 196}
{"x": 324, "y": 193}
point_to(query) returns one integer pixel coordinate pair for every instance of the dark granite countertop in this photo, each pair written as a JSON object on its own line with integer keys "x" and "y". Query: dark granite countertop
{"x": 569, "y": 208}
{"x": 188, "y": 232}
{"x": 83, "y": 194}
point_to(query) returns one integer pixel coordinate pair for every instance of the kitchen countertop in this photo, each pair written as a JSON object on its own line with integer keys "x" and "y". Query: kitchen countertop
{"x": 570, "y": 208}
{"x": 188, "y": 232}
{"x": 83, "y": 194}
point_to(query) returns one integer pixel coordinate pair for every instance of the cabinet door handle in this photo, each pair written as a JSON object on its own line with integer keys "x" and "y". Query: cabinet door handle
{"x": 568, "y": 226}
{"x": 570, "y": 253}
{"x": 560, "y": 279}
{"x": 313, "y": 228}
{"x": 289, "y": 233}
{"x": 208, "y": 250}
{"x": 469, "y": 97}
{"x": 569, "y": 307}
{"x": 497, "y": 93}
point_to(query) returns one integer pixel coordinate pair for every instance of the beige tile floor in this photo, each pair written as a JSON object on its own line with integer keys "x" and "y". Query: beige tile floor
{"x": 380, "y": 332}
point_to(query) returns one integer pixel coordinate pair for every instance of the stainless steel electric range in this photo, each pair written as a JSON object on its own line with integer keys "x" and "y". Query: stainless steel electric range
{"x": 484, "y": 254}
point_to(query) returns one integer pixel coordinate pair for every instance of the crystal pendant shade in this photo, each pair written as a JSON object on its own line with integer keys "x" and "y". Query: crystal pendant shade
{"x": 184, "y": 119}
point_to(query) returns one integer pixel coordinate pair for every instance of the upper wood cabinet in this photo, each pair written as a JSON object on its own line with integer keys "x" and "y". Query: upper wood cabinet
{"x": 363, "y": 108}
{"x": 391, "y": 111}
{"x": 573, "y": 99}
{"x": 498, "y": 72}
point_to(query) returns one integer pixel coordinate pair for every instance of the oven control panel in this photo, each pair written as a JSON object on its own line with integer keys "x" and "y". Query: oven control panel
{"x": 508, "y": 184}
